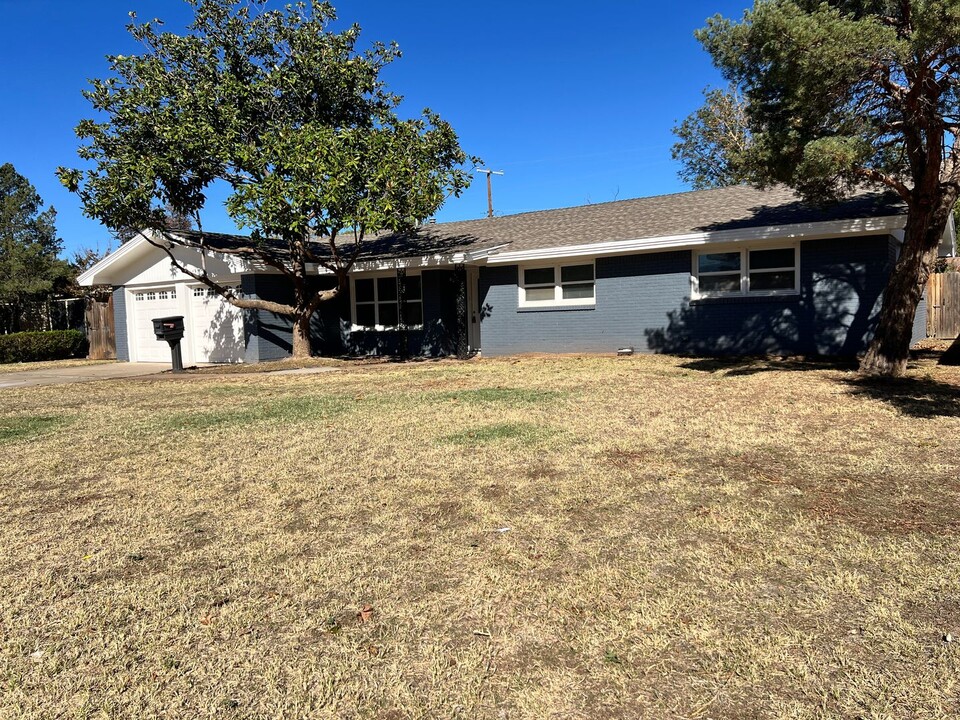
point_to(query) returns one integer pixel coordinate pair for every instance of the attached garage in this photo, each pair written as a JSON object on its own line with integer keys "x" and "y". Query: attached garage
{"x": 148, "y": 286}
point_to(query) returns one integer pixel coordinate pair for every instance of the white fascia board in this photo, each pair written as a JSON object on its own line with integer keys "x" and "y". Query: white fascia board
{"x": 798, "y": 231}
{"x": 396, "y": 263}
{"x": 422, "y": 261}
{"x": 128, "y": 249}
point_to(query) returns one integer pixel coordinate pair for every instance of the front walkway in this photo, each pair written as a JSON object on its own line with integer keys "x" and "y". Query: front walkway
{"x": 78, "y": 373}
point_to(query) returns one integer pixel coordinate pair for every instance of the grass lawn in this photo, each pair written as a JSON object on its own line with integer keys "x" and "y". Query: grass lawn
{"x": 539, "y": 538}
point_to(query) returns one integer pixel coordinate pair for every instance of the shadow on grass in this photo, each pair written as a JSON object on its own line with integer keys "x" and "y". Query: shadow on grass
{"x": 740, "y": 366}
{"x": 921, "y": 397}
{"x": 915, "y": 396}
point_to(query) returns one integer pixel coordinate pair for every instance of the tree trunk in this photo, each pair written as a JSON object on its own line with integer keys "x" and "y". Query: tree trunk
{"x": 301, "y": 335}
{"x": 889, "y": 349}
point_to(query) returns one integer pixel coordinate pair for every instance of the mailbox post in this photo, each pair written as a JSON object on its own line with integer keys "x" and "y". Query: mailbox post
{"x": 171, "y": 330}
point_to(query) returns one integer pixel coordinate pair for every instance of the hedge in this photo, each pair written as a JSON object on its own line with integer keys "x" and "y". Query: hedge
{"x": 35, "y": 346}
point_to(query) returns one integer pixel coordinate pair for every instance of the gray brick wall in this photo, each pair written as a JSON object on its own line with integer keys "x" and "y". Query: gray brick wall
{"x": 642, "y": 301}
{"x": 633, "y": 293}
{"x": 120, "y": 324}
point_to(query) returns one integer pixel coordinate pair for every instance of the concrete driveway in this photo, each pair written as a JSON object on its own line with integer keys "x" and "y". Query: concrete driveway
{"x": 79, "y": 373}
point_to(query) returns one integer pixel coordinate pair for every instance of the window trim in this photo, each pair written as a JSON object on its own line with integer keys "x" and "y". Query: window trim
{"x": 558, "y": 300}
{"x": 354, "y": 327}
{"x": 744, "y": 291}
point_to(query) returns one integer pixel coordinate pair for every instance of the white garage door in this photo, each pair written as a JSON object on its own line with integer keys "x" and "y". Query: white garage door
{"x": 217, "y": 327}
{"x": 149, "y": 304}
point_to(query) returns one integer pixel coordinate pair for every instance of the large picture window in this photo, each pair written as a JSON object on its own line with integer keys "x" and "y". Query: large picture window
{"x": 749, "y": 271}
{"x": 566, "y": 284}
{"x": 376, "y": 302}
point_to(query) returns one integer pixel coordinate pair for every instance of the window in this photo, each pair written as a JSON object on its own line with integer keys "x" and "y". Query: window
{"x": 376, "y": 302}
{"x": 203, "y": 291}
{"x": 751, "y": 271}
{"x": 557, "y": 285}
{"x": 150, "y": 295}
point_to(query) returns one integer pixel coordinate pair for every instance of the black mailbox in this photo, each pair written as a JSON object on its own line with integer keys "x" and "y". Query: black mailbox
{"x": 171, "y": 330}
{"x": 168, "y": 328}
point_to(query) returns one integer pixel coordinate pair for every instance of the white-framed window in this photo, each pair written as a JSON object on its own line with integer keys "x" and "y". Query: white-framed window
{"x": 746, "y": 271}
{"x": 376, "y": 302}
{"x": 569, "y": 283}
{"x": 204, "y": 291}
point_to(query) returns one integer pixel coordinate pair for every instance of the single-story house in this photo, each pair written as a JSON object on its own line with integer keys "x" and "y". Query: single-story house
{"x": 727, "y": 271}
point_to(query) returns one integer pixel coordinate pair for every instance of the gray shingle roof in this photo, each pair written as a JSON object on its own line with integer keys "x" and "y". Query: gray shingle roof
{"x": 660, "y": 216}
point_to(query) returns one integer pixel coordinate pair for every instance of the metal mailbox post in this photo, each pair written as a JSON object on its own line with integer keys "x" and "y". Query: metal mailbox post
{"x": 171, "y": 330}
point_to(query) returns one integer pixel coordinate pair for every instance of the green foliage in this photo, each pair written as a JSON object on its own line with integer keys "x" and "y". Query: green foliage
{"x": 40, "y": 346}
{"x": 290, "y": 115}
{"x": 29, "y": 267}
{"x": 827, "y": 86}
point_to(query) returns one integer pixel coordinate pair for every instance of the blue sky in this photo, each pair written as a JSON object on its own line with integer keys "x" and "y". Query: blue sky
{"x": 574, "y": 102}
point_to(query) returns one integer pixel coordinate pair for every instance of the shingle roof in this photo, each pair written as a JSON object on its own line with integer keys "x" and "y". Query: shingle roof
{"x": 660, "y": 216}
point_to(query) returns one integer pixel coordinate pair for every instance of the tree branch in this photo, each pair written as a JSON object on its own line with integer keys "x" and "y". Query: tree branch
{"x": 227, "y": 293}
{"x": 891, "y": 182}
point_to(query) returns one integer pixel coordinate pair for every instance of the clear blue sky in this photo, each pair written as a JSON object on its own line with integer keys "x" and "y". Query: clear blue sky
{"x": 573, "y": 101}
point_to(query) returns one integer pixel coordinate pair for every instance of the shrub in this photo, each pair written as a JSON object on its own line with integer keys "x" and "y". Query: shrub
{"x": 35, "y": 346}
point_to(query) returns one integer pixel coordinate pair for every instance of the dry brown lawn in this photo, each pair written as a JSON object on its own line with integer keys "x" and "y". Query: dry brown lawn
{"x": 530, "y": 538}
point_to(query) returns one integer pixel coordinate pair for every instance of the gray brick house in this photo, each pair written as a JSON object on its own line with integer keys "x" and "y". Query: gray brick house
{"x": 727, "y": 271}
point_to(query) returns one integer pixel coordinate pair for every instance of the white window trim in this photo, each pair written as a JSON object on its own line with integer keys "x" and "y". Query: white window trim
{"x": 379, "y": 328}
{"x": 744, "y": 251}
{"x": 558, "y": 300}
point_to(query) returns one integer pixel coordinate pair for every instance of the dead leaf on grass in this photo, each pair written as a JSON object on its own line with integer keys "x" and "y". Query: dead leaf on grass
{"x": 365, "y": 614}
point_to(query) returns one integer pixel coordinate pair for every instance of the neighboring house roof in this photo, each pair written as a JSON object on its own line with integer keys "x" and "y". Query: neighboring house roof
{"x": 682, "y": 219}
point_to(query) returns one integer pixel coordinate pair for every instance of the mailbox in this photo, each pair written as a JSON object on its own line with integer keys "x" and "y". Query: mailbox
{"x": 168, "y": 328}
{"x": 171, "y": 330}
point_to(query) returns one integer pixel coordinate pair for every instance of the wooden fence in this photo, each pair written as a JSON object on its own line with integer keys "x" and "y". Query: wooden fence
{"x": 943, "y": 305}
{"x": 100, "y": 331}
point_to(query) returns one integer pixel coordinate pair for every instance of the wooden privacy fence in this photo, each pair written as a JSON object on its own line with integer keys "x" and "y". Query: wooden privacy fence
{"x": 100, "y": 332}
{"x": 943, "y": 305}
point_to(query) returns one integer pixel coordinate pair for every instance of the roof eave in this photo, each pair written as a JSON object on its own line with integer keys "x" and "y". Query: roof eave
{"x": 806, "y": 231}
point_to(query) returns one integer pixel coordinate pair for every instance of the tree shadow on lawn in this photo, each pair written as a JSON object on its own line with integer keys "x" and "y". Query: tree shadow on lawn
{"x": 741, "y": 366}
{"x": 920, "y": 397}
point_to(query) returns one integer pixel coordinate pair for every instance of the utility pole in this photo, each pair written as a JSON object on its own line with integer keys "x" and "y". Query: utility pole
{"x": 489, "y": 173}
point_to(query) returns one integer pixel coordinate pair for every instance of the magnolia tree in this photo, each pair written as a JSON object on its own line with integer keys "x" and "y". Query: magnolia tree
{"x": 837, "y": 95}
{"x": 286, "y": 114}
